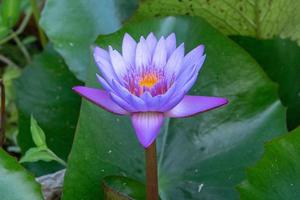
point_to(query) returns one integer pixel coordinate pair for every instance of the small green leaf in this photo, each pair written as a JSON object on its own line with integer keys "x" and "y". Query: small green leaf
{"x": 41, "y": 154}
{"x": 123, "y": 188}
{"x": 37, "y": 133}
{"x": 10, "y": 12}
{"x": 37, "y": 153}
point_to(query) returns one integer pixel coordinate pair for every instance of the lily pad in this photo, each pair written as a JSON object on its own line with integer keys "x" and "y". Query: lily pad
{"x": 280, "y": 60}
{"x": 123, "y": 188}
{"x": 15, "y": 182}
{"x": 72, "y": 26}
{"x": 260, "y": 19}
{"x": 44, "y": 90}
{"x": 202, "y": 157}
{"x": 276, "y": 176}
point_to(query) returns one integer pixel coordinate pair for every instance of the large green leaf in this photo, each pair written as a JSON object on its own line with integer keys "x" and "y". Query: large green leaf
{"x": 73, "y": 26}
{"x": 280, "y": 60}
{"x": 277, "y": 175}
{"x": 261, "y": 19}
{"x": 44, "y": 90}
{"x": 202, "y": 157}
{"x": 15, "y": 182}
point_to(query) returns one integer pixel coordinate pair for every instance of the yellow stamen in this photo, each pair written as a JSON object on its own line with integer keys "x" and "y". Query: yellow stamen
{"x": 148, "y": 80}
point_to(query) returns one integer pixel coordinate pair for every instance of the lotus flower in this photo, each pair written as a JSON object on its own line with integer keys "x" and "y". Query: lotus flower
{"x": 149, "y": 82}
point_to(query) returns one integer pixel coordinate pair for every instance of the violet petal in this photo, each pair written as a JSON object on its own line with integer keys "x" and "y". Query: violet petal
{"x": 151, "y": 42}
{"x": 100, "y": 98}
{"x": 147, "y": 126}
{"x": 99, "y": 52}
{"x": 160, "y": 54}
{"x": 131, "y": 99}
{"x": 105, "y": 68}
{"x": 129, "y": 49}
{"x": 192, "y": 105}
{"x": 104, "y": 83}
{"x": 143, "y": 55}
{"x": 118, "y": 63}
{"x": 174, "y": 63}
{"x": 122, "y": 103}
{"x": 171, "y": 43}
{"x": 193, "y": 56}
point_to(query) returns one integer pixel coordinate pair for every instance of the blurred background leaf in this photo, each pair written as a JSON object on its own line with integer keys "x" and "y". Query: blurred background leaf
{"x": 276, "y": 176}
{"x": 202, "y": 157}
{"x": 73, "y": 26}
{"x": 10, "y": 12}
{"x": 44, "y": 90}
{"x": 261, "y": 19}
{"x": 15, "y": 182}
{"x": 11, "y": 126}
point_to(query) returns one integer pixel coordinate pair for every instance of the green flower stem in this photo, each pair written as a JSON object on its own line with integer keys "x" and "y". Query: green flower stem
{"x": 59, "y": 160}
{"x": 36, "y": 15}
{"x": 7, "y": 61}
{"x": 2, "y": 115}
{"x": 22, "y": 47}
{"x": 20, "y": 29}
{"x": 151, "y": 173}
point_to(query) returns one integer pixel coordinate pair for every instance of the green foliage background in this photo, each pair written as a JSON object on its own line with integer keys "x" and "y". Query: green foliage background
{"x": 253, "y": 55}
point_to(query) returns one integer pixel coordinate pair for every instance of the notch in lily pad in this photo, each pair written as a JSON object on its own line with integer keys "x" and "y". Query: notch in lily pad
{"x": 123, "y": 188}
{"x": 41, "y": 152}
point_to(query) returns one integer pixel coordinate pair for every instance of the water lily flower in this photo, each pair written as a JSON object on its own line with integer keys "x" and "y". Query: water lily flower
{"x": 149, "y": 81}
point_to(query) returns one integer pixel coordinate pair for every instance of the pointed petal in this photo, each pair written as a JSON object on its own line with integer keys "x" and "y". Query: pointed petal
{"x": 104, "y": 83}
{"x": 193, "y": 56}
{"x": 143, "y": 55}
{"x": 136, "y": 102}
{"x": 192, "y": 105}
{"x": 99, "y": 52}
{"x": 175, "y": 62}
{"x": 147, "y": 126}
{"x": 123, "y": 104}
{"x": 152, "y": 103}
{"x": 151, "y": 42}
{"x": 100, "y": 98}
{"x": 104, "y": 65}
{"x": 189, "y": 84}
{"x": 188, "y": 77}
{"x": 174, "y": 100}
{"x": 118, "y": 63}
{"x": 171, "y": 43}
{"x": 128, "y": 49}
{"x": 160, "y": 54}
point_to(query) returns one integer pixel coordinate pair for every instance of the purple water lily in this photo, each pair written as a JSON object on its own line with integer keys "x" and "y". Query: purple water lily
{"x": 149, "y": 82}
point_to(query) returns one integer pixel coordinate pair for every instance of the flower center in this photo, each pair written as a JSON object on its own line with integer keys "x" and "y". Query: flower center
{"x": 148, "y": 80}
